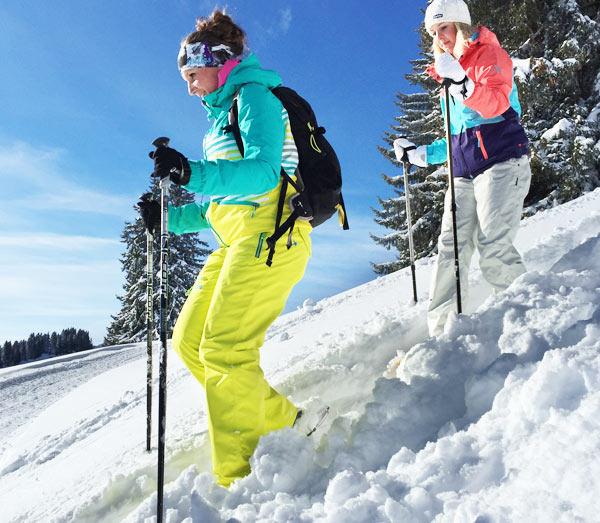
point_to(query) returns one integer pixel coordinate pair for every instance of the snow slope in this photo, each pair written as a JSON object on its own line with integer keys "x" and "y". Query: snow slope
{"x": 496, "y": 420}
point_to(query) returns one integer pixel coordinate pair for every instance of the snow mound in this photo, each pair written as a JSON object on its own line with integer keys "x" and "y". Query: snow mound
{"x": 497, "y": 419}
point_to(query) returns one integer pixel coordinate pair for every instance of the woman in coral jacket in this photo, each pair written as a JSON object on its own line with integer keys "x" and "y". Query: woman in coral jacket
{"x": 237, "y": 296}
{"x": 489, "y": 153}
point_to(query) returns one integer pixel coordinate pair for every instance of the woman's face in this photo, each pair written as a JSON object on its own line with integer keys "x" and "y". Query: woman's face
{"x": 444, "y": 35}
{"x": 202, "y": 80}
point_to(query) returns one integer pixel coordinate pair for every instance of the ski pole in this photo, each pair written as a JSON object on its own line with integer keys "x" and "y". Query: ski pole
{"x": 447, "y": 82}
{"x": 149, "y": 328}
{"x": 411, "y": 248}
{"x": 162, "y": 381}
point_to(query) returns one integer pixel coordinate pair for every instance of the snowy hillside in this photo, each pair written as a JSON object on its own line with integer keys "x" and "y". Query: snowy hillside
{"x": 496, "y": 420}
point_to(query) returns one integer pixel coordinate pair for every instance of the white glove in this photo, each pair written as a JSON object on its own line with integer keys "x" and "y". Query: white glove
{"x": 448, "y": 67}
{"x": 416, "y": 155}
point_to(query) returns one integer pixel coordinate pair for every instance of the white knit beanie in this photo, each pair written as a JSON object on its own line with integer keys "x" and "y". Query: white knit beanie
{"x": 446, "y": 11}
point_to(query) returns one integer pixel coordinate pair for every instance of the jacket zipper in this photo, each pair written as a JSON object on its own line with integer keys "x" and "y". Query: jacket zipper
{"x": 481, "y": 146}
{"x": 261, "y": 240}
{"x": 235, "y": 202}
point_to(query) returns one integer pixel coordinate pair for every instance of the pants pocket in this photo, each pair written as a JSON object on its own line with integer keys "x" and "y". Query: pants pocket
{"x": 260, "y": 244}
{"x": 481, "y": 144}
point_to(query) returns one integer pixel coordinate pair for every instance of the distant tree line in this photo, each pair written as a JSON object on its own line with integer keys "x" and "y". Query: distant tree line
{"x": 68, "y": 341}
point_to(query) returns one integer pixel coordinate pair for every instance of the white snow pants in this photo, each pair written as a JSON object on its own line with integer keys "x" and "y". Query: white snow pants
{"x": 488, "y": 211}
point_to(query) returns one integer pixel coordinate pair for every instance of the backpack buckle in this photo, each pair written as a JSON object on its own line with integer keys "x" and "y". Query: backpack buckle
{"x": 301, "y": 207}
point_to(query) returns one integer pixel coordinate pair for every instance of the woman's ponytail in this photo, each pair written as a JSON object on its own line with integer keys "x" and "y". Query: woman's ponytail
{"x": 219, "y": 28}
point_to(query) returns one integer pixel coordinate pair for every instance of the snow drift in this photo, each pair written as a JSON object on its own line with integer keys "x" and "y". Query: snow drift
{"x": 496, "y": 420}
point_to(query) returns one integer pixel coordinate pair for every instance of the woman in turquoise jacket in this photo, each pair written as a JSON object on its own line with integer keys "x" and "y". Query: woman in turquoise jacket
{"x": 236, "y": 296}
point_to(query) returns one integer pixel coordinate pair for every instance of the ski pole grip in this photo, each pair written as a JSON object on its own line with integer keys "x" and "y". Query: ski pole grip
{"x": 404, "y": 159}
{"x": 162, "y": 141}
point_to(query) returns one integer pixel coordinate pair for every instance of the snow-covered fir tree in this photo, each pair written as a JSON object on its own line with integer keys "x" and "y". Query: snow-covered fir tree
{"x": 555, "y": 46}
{"x": 187, "y": 254}
{"x": 419, "y": 120}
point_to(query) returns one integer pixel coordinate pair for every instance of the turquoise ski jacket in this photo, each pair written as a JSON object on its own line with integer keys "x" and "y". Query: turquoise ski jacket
{"x": 243, "y": 191}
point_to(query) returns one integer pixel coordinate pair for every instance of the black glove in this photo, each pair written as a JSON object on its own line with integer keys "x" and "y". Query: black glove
{"x": 150, "y": 213}
{"x": 169, "y": 162}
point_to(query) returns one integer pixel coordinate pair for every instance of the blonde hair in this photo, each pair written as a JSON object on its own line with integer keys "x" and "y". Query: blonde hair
{"x": 464, "y": 32}
{"x": 218, "y": 29}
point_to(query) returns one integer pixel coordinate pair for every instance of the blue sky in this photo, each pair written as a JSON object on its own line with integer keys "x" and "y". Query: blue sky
{"x": 86, "y": 87}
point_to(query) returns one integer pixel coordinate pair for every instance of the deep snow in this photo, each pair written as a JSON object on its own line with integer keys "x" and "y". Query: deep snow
{"x": 496, "y": 420}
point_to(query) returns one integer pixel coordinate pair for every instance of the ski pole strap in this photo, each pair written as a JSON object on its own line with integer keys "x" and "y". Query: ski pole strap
{"x": 449, "y": 81}
{"x": 405, "y": 155}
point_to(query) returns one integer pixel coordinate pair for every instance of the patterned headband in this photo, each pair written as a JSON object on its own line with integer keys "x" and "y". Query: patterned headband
{"x": 201, "y": 54}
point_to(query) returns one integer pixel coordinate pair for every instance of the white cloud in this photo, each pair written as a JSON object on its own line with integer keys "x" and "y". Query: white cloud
{"x": 48, "y": 280}
{"x": 286, "y": 19}
{"x": 55, "y": 241}
{"x": 33, "y": 178}
{"x": 56, "y": 289}
{"x": 271, "y": 27}
{"x": 53, "y": 281}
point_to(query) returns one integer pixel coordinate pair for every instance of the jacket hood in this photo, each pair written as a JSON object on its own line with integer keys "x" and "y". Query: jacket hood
{"x": 483, "y": 36}
{"x": 247, "y": 71}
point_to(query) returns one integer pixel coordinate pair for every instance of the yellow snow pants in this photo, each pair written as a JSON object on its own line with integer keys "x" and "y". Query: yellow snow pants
{"x": 218, "y": 334}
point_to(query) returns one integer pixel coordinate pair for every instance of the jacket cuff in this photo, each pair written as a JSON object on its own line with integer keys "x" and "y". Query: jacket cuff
{"x": 197, "y": 177}
{"x": 418, "y": 156}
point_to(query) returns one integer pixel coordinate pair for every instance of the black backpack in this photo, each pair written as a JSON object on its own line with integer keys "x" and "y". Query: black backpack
{"x": 319, "y": 176}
